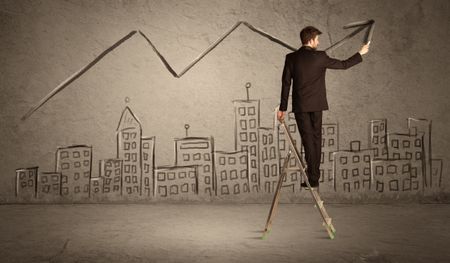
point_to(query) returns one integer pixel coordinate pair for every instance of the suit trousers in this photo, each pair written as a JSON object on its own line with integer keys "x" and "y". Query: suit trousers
{"x": 310, "y": 127}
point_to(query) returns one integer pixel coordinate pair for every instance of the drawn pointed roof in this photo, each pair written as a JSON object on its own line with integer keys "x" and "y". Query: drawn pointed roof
{"x": 128, "y": 120}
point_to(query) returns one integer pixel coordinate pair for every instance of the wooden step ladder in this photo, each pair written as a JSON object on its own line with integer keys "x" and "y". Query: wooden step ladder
{"x": 314, "y": 194}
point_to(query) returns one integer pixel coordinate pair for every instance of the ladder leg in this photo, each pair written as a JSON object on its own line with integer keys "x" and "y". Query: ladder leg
{"x": 275, "y": 200}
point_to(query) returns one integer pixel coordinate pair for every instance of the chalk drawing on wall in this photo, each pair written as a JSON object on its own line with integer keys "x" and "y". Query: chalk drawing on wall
{"x": 26, "y": 183}
{"x": 148, "y": 165}
{"x": 129, "y": 133}
{"x": 268, "y": 159}
{"x": 368, "y": 25}
{"x": 394, "y": 177}
{"x": 75, "y": 165}
{"x": 378, "y": 138}
{"x": 111, "y": 170}
{"x": 330, "y": 144}
{"x": 352, "y": 169}
{"x": 198, "y": 151}
{"x": 49, "y": 186}
{"x": 176, "y": 182}
{"x": 232, "y": 171}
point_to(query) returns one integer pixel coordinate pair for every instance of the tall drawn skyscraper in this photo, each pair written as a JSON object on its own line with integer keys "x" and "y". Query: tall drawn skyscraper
{"x": 148, "y": 166}
{"x": 232, "y": 170}
{"x": 197, "y": 151}
{"x": 330, "y": 144}
{"x": 378, "y": 138}
{"x": 129, "y": 134}
{"x": 111, "y": 170}
{"x": 269, "y": 159}
{"x": 247, "y": 116}
{"x": 75, "y": 165}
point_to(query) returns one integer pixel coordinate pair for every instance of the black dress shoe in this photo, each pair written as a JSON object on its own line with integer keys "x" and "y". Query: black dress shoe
{"x": 312, "y": 184}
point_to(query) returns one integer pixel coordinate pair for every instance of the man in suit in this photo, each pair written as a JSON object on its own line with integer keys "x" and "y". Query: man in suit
{"x": 307, "y": 67}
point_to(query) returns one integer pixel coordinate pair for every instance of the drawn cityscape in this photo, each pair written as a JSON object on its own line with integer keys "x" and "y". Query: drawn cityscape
{"x": 393, "y": 165}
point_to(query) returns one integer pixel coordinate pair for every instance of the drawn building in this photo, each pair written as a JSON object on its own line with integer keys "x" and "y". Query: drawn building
{"x": 111, "y": 171}
{"x": 330, "y": 144}
{"x": 409, "y": 147}
{"x": 49, "y": 186}
{"x": 395, "y": 177}
{"x": 129, "y": 134}
{"x": 291, "y": 183}
{"x": 148, "y": 165}
{"x": 268, "y": 159}
{"x": 232, "y": 173}
{"x": 378, "y": 138}
{"x": 75, "y": 165}
{"x": 176, "y": 182}
{"x": 352, "y": 169}
{"x": 96, "y": 186}
{"x": 26, "y": 183}
{"x": 246, "y": 135}
{"x": 197, "y": 151}
{"x": 423, "y": 126}
{"x": 436, "y": 173}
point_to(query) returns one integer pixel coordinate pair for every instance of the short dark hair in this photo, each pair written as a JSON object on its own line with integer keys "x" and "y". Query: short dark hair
{"x": 308, "y": 33}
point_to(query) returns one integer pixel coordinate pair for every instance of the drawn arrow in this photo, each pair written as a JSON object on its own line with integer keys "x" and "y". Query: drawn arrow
{"x": 360, "y": 26}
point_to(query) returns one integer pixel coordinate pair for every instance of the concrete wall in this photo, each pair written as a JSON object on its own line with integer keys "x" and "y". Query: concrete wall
{"x": 43, "y": 43}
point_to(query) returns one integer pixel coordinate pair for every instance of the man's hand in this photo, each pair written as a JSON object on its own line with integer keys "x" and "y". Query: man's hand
{"x": 364, "y": 49}
{"x": 280, "y": 115}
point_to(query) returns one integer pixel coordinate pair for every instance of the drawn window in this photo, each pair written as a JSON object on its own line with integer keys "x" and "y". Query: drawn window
{"x": 367, "y": 158}
{"x": 76, "y": 154}
{"x": 418, "y": 155}
{"x": 233, "y": 175}
{"x": 253, "y": 150}
{"x": 253, "y": 163}
{"x": 86, "y": 153}
{"x": 272, "y": 153}
{"x": 355, "y": 172}
{"x": 418, "y": 143}
{"x": 243, "y": 124}
{"x": 232, "y": 160}
{"x": 65, "y": 166}
{"x": 343, "y": 159}
{"x": 207, "y": 157}
{"x": 191, "y": 174}
{"x": 344, "y": 173}
{"x": 241, "y": 111}
{"x": 274, "y": 170}
{"x": 406, "y": 144}
{"x": 125, "y": 135}
{"x": 86, "y": 174}
{"x": 392, "y": 169}
{"x": 162, "y": 190}
{"x": 331, "y": 142}
{"x": 127, "y": 157}
{"x": 330, "y": 130}
{"x": 323, "y": 142}
{"x": 243, "y": 136}
{"x": 375, "y": 139}
{"x": 366, "y": 171}
{"x": 251, "y": 111}
{"x": 331, "y": 156}
{"x": 77, "y": 164}
{"x": 243, "y": 174}
{"x": 134, "y": 156}
{"x": 395, "y": 143}
{"x": 264, "y": 139}
{"x": 186, "y": 157}
{"x": 356, "y": 159}
{"x": 146, "y": 145}
{"x": 185, "y": 188}
{"x": 161, "y": 176}
{"x": 236, "y": 189}
{"x": 375, "y": 129}
{"x": 55, "y": 178}
{"x": 406, "y": 168}
{"x": 222, "y": 160}
{"x": 207, "y": 180}
{"x": 292, "y": 128}
{"x": 133, "y": 168}
{"x": 174, "y": 189}
{"x": 270, "y": 137}
{"x": 243, "y": 159}
{"x": 252, "y": 124}
{"x": 44, "y": 179}
{"x": 64, "y": 154}
{"x": 86, "y": 162}
{"x": 135, "y": 179}
{"x": 223, "y": 176}
{"x": 206, "y": 168}
{"x": 133, "y": 145}
{"x": 126, "y": 146}
{"x": 197, "y": 156}
{"x": 322, "y": 157}
{"x": 408, "y": 155}
{"x": 171, "y": 176}
{"x": 182, "y": 175}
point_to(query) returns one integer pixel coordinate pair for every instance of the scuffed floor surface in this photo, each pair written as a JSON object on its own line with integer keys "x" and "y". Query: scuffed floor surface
{"x": 222, "y": 233}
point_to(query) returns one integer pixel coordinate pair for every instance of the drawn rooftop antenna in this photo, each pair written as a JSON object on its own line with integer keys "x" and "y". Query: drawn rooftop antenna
{"x": 187, "y": 126}
{"x": 248, "y": 85}
{"x": 358, "y": 25}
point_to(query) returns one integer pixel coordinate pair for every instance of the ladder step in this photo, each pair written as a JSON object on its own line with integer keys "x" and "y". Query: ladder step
{"x": 327, "y": 220}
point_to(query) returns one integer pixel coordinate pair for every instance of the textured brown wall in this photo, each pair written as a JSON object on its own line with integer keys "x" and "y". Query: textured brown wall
{"x": 404, "y": 75}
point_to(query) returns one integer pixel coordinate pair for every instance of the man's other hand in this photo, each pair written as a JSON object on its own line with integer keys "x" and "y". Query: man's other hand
{"x": 364, "y": 49}
{"x": 280, "y": 115}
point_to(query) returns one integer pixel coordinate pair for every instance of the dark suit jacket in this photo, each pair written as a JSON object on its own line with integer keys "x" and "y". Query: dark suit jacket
{"x": 306, "y": 67}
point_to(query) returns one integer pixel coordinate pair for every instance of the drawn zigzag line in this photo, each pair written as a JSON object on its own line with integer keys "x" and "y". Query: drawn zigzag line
{"x": 79, "y": 73}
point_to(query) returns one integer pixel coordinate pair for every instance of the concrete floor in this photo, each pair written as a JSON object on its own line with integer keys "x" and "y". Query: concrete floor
{"x": 222, "y": 233}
